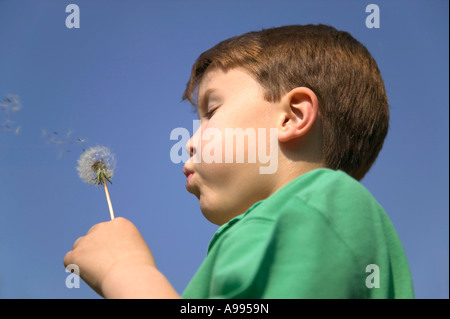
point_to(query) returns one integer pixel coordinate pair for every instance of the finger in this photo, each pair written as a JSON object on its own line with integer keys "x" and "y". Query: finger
{"x": 67, "y": 259}
{"x": 77, "y": 242}
{"x": 92, "y": 228}
{"x": 97, "y": 226}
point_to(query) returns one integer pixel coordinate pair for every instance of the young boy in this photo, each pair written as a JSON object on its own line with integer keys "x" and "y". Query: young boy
{"x": 307, "y": 229}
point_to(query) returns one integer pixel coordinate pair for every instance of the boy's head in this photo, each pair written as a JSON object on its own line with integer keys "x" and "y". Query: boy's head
{"x": 353, "y": 107}
{"x": 318, "y": 87}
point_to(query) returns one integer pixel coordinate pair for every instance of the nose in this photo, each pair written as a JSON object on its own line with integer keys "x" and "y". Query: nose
{"x": 192, "y": 144}
{"x": 190, "y": 148}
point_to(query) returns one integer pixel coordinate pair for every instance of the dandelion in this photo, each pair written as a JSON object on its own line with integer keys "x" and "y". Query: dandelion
{"x": 96, "y": 166}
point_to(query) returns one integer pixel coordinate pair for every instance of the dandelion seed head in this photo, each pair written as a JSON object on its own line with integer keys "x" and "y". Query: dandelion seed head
{"x": 93, "y": 160}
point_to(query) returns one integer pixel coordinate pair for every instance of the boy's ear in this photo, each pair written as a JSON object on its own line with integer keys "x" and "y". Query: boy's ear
{"x": 300, "y": 108}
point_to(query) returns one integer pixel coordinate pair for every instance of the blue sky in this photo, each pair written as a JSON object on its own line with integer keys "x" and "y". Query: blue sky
{"x": 117, "y": 81}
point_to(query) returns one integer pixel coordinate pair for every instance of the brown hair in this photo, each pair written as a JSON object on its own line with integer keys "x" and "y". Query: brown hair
{"x": 353, "y": 106}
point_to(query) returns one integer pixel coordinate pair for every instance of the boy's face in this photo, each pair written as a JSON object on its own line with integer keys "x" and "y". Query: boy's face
{"x": 230, "y": 104}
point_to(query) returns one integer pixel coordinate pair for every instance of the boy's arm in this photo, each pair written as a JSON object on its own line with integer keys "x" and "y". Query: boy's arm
{"x": 138, "y": 281}
{"x": 115, "y": 261}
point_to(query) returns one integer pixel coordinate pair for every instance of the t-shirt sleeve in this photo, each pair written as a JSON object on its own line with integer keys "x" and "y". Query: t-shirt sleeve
{"x": 241, "y": 260}
{"x": 298, "y": 255}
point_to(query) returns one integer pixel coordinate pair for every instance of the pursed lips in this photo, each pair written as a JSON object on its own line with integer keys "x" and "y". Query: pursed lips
{"x": 188, "y": 173}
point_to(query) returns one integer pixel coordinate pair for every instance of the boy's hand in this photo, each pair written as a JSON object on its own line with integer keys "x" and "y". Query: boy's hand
{"x": 115, "y": 261}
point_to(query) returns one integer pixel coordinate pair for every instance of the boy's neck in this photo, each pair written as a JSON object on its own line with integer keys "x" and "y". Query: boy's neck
{"x": 292, "y": 170}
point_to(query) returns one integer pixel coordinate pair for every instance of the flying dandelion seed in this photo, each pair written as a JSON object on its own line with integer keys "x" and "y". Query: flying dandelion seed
{"x": 63, "y": 141}
{"x": 81, "y": 143}
{"x": 96, "y": 166}
{"x": 12, "y": 104}
{"x": 9, "y": 106}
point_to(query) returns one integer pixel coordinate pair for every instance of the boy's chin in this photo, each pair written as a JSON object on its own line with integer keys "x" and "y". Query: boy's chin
{"x": 214, "y": 215}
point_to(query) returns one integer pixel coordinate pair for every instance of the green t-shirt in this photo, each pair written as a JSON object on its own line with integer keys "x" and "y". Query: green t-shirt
{"x": 323, "y": 235}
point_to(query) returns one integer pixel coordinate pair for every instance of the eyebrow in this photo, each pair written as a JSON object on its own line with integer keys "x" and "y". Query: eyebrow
{"x": 205, "y": 98}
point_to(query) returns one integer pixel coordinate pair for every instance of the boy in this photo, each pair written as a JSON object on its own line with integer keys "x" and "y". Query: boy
{"x": 306, "y": 230}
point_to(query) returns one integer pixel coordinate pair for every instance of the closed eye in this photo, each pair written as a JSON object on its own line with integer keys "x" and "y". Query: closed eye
{"x": 211, "y": 112}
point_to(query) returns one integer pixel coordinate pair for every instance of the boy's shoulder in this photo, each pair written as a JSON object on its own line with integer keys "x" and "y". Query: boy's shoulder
{"x": 318, "y": 202}
{"x": 323, "y": 228}
{"x": 327, "y": 192}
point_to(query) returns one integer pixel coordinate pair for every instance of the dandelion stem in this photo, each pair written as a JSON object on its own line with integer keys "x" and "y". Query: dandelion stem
{"x": 111, "y": 212}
